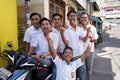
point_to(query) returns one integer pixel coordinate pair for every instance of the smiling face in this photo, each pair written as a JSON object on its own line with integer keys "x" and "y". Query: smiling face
{"x": 45, "y": 26}
{"x": 57, "y": 21}
{"x": 72, "y": 17}
{"x": 84, "y": 19}
{"x": 35, "y": 21}
{"x": 67, "y": 55}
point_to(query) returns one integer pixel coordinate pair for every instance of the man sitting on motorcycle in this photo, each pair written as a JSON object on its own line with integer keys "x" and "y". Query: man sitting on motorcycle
{"x": 40, "y": 43}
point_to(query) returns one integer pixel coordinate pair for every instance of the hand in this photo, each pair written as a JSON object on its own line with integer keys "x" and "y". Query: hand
{"x": 62, "y": 30}
{"x": 47, "y": 32}
{"x": 66, "y": 26}
{"x": 37, "y": 57}
{"x": 89, "y": 32}
{"x": 88, "y": 29}
{"x": 90, "y": 35}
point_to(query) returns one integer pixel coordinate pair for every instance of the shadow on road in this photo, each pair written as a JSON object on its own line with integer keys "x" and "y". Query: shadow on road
{"x": 107, "y": 42}
{"x": 102, "y": 69}
{"x": 106, "y": 62}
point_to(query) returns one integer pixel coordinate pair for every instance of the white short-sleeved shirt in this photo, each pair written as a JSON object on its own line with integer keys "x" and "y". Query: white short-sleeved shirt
{"x": 41, "y": 43}
{"x": 30, "y": 33}
{"x": 74, "y": 38}
{"x": 85, "y": 44}
{"x": 61, "y": 45}
{"x": 66, "y": 71}
{"x": 94, "y": 35}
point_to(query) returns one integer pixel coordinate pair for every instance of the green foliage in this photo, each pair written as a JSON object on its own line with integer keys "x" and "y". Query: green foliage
{"x": 3, "y": 61}
{"x": 21, "y": 43}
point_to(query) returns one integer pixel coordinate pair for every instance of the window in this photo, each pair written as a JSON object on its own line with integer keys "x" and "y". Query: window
{"x": 57, "y": 6}
{"x": 51, "y": 10}
{"x": 109, "y": 10}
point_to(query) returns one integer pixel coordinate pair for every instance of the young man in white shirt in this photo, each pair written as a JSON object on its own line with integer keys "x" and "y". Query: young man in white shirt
{"x": 32, "y": 31}
{"x": 57, "y": 22}
{"x": 65, "y": 68}
{"x": 90, "y": 30}
{"x": 40, "y": 42}
{"x": 57, "y": 25}
{"x": 41, "y": 45}
{"x": 73, "y": 35}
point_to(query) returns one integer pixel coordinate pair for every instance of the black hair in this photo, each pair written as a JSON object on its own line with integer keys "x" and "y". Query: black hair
{"x": 43, "y": 19}
{"x": 67, "y": 48}
{"x": 73, "y": 11}
{"x": 34, "y": 13}
{"x": 57, "y": 14}
{"x": 84, "y": 13}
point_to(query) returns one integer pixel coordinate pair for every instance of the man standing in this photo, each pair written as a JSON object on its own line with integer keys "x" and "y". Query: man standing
{"x": 92, "y": 36}
{"x": 40, "y": 43}
{"x": 73, "y": 35}
{"x": 57, "y": 25}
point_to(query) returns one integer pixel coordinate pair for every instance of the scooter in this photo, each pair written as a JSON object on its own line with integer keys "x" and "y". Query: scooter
{"x": 30, "y": 69}
{"x": 7, "y": 71}
{"x": 22, "y": 67}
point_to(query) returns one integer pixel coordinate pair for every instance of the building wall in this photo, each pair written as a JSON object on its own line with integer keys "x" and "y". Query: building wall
{"x": 8, "y": 23}
{"x": 112, "y": 10}
{"x": 33, "y": 8}
{"x": 68, "y": 4}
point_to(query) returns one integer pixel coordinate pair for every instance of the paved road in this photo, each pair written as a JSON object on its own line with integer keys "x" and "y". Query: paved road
{"x": 107, "y": 56}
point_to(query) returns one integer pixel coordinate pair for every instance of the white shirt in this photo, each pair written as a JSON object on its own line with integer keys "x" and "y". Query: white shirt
{"x": 74, "y": 38}
{"x": 41, "y": 43}
{"x": 61, "y": 45}
{"x": 30, "y": 33}
{"x": 66, "y": 71}
{"x": 85, "y": 44}
{"x": 94, "y": 36}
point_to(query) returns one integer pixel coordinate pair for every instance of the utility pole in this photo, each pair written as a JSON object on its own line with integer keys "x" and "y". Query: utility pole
{"x": 27, "y": 13}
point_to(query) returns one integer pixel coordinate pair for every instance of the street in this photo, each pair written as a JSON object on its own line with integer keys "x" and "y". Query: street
{"x": 106, "y": 64}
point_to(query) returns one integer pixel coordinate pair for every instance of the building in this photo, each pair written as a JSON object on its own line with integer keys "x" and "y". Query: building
{"x": 47, "y": 7}
{"x": 97, "y": 14}
{"x": 112, "y": 10}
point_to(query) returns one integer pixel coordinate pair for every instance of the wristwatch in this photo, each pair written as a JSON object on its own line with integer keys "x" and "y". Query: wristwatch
{"x": 42, "y": 56}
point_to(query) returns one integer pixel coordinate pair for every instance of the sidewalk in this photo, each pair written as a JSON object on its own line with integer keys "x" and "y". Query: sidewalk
{"x": 106, "y": 64}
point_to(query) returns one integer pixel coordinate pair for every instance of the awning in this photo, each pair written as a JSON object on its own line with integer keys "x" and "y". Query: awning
{"x": 82, "y": 3}
{"x": 79, "y": 5}
{"x": 97, "y": 19}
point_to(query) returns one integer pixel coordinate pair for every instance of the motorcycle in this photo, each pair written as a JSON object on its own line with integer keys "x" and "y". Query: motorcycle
{"x": 22, "y": 67}
{"x": 100, "y": 39}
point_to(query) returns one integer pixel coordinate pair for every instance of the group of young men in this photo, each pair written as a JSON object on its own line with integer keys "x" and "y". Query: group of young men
{"x": 70, "y": 48}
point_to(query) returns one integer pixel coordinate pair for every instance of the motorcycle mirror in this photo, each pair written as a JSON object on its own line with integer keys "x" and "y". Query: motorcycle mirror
{"x": 9, "y": 44}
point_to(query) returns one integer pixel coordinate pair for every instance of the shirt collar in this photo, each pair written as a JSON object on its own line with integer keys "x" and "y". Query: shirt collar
{"x": 34, "y": 28}
{"x": 66, "y": 63}
{"x": 55, "y": 30}
{"x": 70, "y": 27}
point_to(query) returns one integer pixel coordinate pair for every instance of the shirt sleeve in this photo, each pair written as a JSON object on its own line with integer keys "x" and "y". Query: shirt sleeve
{"x": 81, "y": 32}
{"x": 27, "y": 36}
{"x": 66, "y": 34}
{"x": 56, "y": 60}
{"x": 78, "y": 63}
{"x": 55, "y": 41}
{"x": 94, "y": 33}
{"x": 34, "y": 42}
